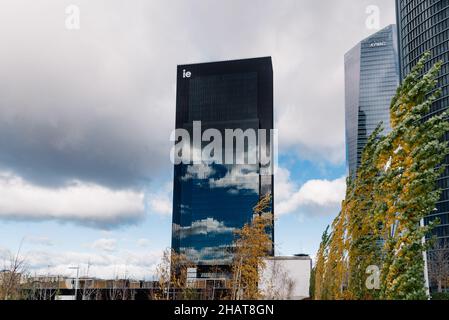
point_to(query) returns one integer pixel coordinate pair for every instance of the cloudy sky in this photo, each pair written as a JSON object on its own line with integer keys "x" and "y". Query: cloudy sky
{"x": 86, "y": 116}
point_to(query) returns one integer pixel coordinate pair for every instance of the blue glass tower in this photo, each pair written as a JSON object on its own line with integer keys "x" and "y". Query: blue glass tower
{"x": 212, "y": 200}
{"x": 371, "y": 80}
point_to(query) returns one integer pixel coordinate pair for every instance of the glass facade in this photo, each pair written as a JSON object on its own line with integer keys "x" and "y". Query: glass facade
{"x": 213, "y": 199}
{"x": 371, "y": 80}
{"x": 424, "y": 26}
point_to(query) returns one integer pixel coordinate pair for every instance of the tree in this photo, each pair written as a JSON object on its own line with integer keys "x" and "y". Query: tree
{"x": 320, "y": 266}
{"x": 410, "y": 158}
{"x": 11, "y": 276}
{"x": 251, "y": 246}
{"x": 89, "y": 292}
{"x": 380, "y": 223}
{"x": 172, "y": 273}
{"x": 362, "y": 246}
{"x": 335, "y": 267}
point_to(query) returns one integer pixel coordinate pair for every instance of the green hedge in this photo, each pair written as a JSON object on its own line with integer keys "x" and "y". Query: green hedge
{"x": 440, "y": 296}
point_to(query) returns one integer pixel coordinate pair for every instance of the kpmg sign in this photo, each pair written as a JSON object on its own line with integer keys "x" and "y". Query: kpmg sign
{"x": 378, "y": 44}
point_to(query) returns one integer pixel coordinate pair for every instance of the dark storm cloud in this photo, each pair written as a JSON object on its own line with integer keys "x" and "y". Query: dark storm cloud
{"x": 98, "y": 104}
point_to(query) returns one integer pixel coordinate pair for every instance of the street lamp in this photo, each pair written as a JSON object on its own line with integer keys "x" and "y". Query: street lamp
{"x": 77, "y": 279}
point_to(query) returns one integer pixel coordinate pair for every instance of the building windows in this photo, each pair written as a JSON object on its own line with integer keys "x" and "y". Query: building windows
{"x": 212, "y": 200}
{"x": 371, "y": 79}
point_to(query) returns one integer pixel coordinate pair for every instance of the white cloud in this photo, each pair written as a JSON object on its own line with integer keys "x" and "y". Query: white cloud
{"x": 108, "y": 265}
{"x": 219, "y": 254}
{"x": 39, "y": 240}
{"x": 143, "y": 242}
{"x": 160, "y": 202}
{"x": 312, "y": 198}
{"x": 83, "y": 203}
{"x": 239, "y": 177}
{"x": 203, "y": 227}
{"x": 105, "y": 244}
{"x": 199, "y": 171}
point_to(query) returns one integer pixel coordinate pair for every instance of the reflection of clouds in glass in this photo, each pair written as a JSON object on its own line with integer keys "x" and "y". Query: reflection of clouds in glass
{"x": 208, "y": 255}
{"x": 240, "y": 177}
{"x": 198, "y": 171}
{"x": 202, "y": 227}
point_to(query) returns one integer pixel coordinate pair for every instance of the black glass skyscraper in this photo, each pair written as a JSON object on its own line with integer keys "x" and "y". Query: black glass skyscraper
{"x": 424, "y": 26}
{"x": 211, "y": 200}
{"x": 371, "y": 79}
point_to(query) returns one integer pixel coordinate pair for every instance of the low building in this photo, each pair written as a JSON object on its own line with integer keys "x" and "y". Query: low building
{"x": 286, "y": 278}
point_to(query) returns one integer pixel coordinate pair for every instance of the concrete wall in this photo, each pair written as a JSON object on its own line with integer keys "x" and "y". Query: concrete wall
{"x": 286, "y": 278}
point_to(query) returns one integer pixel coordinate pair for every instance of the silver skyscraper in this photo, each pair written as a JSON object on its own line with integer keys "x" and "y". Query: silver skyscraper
{"x": 371, "y": 80}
